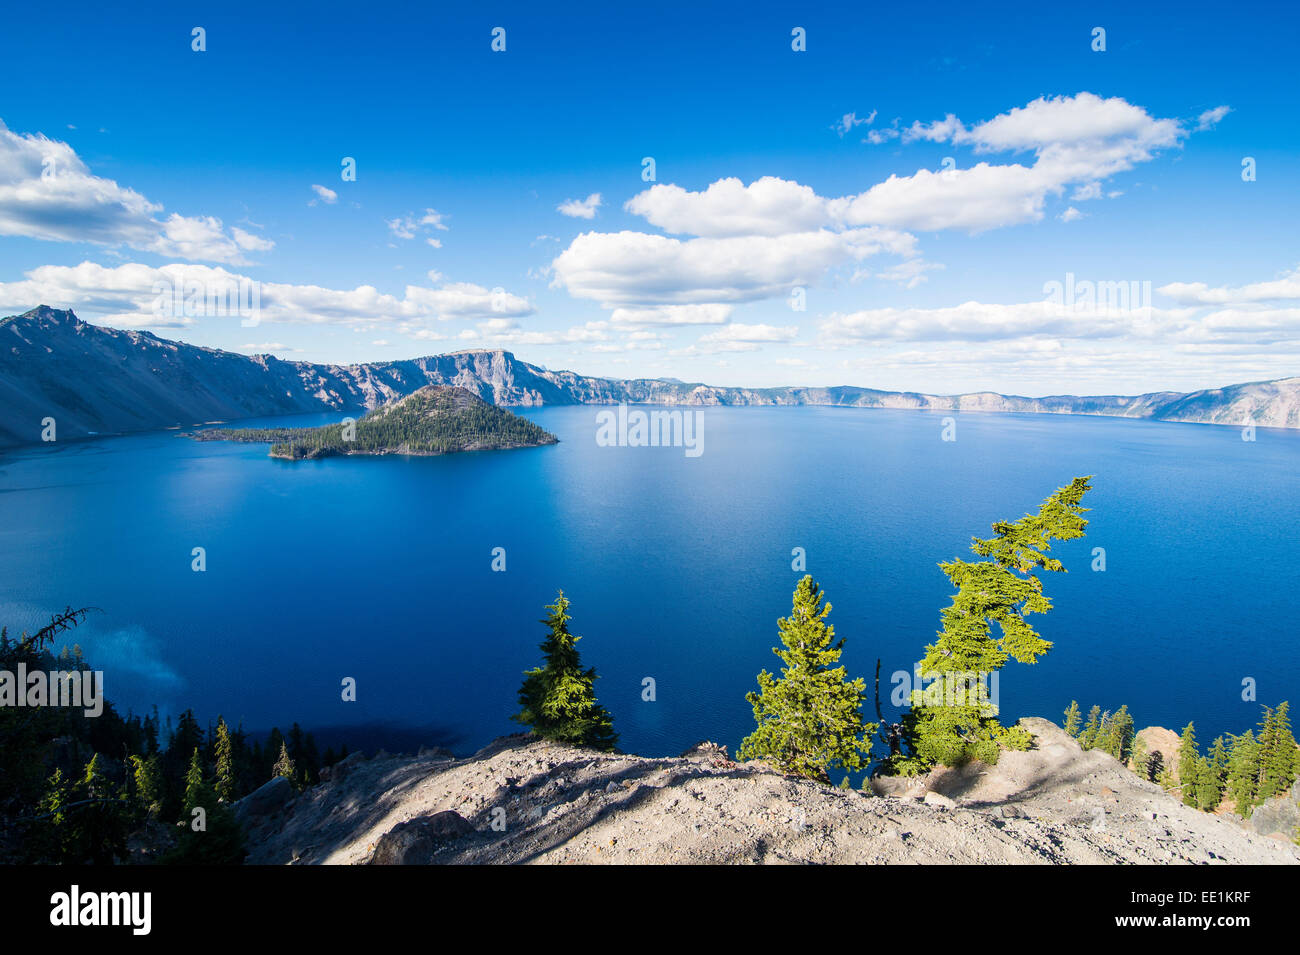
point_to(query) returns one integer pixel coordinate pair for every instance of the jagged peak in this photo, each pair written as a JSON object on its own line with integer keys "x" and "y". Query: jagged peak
{"x": 46, "y": 314}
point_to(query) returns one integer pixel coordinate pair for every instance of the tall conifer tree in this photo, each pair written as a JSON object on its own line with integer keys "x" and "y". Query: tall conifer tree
{"x": 559, "y": 697}
{"x": 1188, "y": 764}
{"x": 1243, "y": 769}
{"x": 224, "y": 756}
{"x": 1002, "y": 589}
{"x": 1277, "y": 758}
{"x": 810, "y": 717}
{"x": 284, "y": 765}
{"x": 1072, "y": 718}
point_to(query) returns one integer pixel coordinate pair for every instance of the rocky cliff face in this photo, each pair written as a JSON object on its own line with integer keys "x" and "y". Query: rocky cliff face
{"x": 521, "y": 800}
{"x": 91, "y": 379}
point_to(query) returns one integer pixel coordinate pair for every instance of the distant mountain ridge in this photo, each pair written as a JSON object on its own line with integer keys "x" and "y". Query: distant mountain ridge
{"x": 92, "y": 379}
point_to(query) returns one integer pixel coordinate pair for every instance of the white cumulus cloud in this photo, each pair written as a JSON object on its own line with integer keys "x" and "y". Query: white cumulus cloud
{"x": 48, "y": 192}
{"x": 580, "y": 208}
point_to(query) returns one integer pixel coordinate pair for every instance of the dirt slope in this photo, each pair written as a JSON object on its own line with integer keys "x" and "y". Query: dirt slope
{"x": 556, "y": 804}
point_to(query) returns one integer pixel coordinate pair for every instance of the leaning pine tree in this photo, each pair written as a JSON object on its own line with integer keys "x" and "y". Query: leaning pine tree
{"x": 559, "y": 698}
{"x": 810, "y": 717}
{"x": 953, "y": 720}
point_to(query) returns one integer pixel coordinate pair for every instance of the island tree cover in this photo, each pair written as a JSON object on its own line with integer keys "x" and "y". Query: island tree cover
{"x": 809, "y": 718}
{"x": 1003, "y": 589}
{"x": 559, "y": 697}
{"x": 436, "y": 419}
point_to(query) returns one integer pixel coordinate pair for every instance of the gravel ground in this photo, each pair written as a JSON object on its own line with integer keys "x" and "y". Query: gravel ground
{"x": 525, "y": 801}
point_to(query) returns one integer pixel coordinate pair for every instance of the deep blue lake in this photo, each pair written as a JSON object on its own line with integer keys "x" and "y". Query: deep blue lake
{"x": 677, "y": 567}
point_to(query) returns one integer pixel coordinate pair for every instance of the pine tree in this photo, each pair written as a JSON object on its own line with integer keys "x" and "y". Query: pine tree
{"x": 84, "y": 821}
{"x": 1277, "y": 758}
{"x": 147, "y": 784}
{"x": 103, "y": 820}
{"x": 1208, "y": 792}
{"x": 1187, "y": 764}
{"x": 50, "y": 838}
{"x": 217, "y": 839}
{"x": 1218, "y": 760}
{"x": 1004, "y": 590}
{"x": 271, "y": 752}
{"x": 224, "y": 754}
{"x": 284, "y": 765}
{"x": 1119, "y": 734}
{"x": 1140, "y": 759}
{"x": 1072, "y": 718}
{"x": 194, "y": 785}
{"x": 1091, "y": 729}
{"x": 1156, "y": 766}
{"x": 559, "y": 698}
{"x": 809, "y": 718}
{"x": 187, "y": 737}
{"x": 1243, "y": 769}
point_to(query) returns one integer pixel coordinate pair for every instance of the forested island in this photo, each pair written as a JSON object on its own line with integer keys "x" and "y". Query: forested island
{"x": 436, "y": 419}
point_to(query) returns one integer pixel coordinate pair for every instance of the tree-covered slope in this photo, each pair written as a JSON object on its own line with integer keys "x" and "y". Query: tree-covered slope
{"x": 436, "y": 419}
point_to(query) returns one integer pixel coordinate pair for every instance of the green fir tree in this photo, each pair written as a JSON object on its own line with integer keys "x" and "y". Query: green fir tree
{"x": 1277, "y": 758}
{"x": 1091, "y": 729}
{"x": 1188, "y": 763}
{"x": 1140, "y": 759}
{"x": 1072, "y": 718}
{"x": 147, "y": 784}
{"x": 1119, "y": 734}
{"x": 559, "y": 697}
{"x": 1243, "y": 772}
{"x": 810, "y": 717}
{"x": 1002, "y": 590}
{"x": 224, "y": 756}
{"x": 284, "y": 765}
{"x": 1208, "y": 791}
{"x": 210, "y": 834}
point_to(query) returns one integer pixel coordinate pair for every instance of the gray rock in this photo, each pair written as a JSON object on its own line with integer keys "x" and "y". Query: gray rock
{"x": 435, "y": 752}
{"x": 705, "y": 750}
{"x": 911, "y": 787}
{"x": 940, "y": 800}
{"x": 1281, "y": 814}
{"x": 413, "y": 842}
{"x": 266, "y": 799}
{"x": 343, "y": 766}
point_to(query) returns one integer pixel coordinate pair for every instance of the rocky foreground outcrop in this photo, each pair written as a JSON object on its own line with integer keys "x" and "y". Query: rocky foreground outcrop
{"x": 520, "y": 800}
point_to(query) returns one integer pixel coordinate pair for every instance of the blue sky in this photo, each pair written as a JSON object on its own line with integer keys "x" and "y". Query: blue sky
{"x": 775, "y": 170}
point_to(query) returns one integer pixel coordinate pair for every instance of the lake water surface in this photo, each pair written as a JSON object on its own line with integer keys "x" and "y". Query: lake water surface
{"x": 380, "y": 568}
